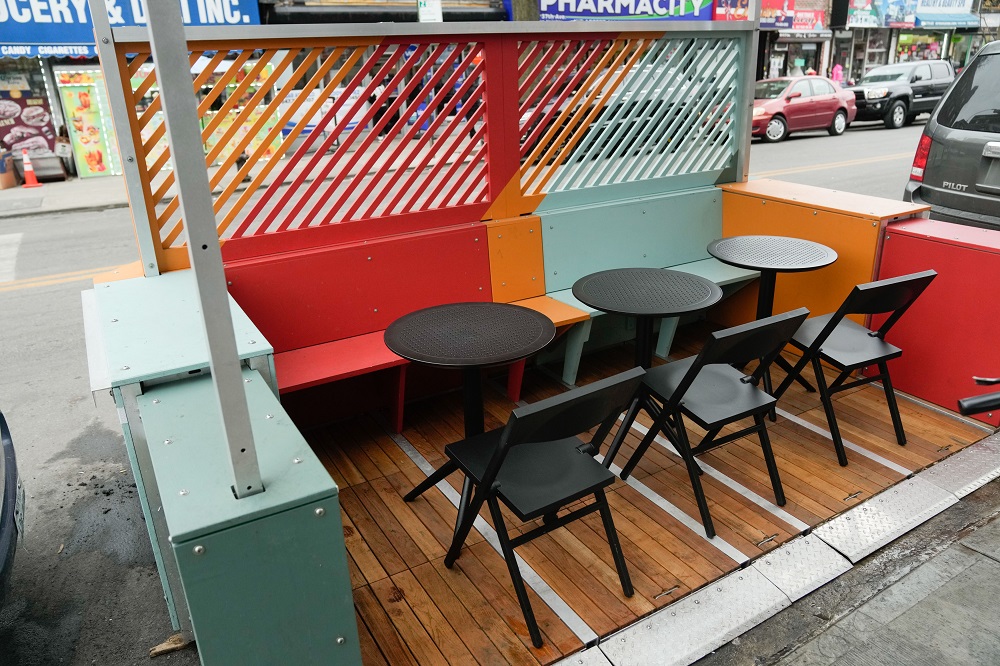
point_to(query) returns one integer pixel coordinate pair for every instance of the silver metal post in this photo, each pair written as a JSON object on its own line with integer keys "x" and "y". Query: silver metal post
{"x": 130, "y": 157}
{"x": 744, "y": 106}
{"x": 180, "y": 113}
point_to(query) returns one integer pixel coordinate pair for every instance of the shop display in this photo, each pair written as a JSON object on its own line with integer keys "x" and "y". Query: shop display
{"x": 91, "y": 132}
{"x": 26, "y": 123}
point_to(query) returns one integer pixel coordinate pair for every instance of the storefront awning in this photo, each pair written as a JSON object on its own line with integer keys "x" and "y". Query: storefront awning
{"x": 947, "y": 21}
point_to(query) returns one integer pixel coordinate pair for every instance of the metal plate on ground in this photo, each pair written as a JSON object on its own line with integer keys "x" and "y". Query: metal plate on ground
{"x": 589, "y": 657}
{"x": 699, "y": 623}
{"x": 801, "y": 566}
{"x": 885, "y": 517}
{"x": 967, "y": 470}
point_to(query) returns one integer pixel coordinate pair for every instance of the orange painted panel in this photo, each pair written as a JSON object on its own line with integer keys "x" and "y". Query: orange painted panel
{"x": 560, "y": 313}
{"x": 853, "y": 234}
{"x": 123, "y": 272}
{"x": 516, "y": 268}
{"x": 834, "y": 201}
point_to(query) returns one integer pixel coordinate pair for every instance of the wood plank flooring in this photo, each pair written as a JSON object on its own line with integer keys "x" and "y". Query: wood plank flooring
{"x": 411, "y": 609}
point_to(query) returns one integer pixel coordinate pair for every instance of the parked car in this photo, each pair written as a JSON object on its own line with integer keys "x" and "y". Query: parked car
{"x": 11, "y": 506}
{"x": 956, "y": 169}
{"x": 795, "y": 103}
{"x": 897, "y": 94}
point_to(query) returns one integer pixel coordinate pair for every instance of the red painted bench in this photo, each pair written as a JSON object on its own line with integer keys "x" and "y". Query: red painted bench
{"x": 324, "y": 310}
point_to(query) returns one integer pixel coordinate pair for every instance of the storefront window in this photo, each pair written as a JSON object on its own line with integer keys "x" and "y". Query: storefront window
{"x": 919, "y": 46}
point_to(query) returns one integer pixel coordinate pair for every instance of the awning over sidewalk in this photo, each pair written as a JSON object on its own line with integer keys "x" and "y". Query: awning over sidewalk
{"x": 947, "y": 21}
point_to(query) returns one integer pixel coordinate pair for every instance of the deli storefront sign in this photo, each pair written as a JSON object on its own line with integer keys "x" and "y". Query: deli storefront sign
{"x": 63, "y": 28}
{"x": 603, "y": 10}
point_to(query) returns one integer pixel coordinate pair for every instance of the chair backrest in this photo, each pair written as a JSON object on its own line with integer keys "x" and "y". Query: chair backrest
{"x": 892, "y": 295}
{"x": 762, "y": 339}
{"x": 574, "y": 412}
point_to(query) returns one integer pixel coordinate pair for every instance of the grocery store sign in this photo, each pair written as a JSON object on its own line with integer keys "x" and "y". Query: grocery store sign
{"x": 63, "y": 28}
{"x": 603, "y": 10}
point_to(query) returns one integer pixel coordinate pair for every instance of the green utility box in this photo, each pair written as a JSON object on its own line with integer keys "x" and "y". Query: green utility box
{"x": 265, "y": 577}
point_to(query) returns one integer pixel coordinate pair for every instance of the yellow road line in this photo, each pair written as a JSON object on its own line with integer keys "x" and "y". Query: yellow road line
{"x": 56, "y": 278}
{"x": 834, "y": 165}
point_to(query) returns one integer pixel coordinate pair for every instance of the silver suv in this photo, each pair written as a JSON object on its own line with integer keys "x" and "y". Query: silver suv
{"x": 957, "y": 166}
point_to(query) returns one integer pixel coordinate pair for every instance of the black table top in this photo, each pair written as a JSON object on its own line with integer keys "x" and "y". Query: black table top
{"x": 772, "y": 253}
{"x": 469, "y": 334}
{"x": 646, "y": 292}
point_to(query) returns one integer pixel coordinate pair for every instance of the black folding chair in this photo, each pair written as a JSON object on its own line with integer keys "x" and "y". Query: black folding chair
{"x": 709, "y": 390}
{"x": 536, "y": 465}
{"x": 849, "y": 346}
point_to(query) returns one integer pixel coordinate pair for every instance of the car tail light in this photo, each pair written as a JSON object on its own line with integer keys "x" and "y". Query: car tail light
{"x": 920, "y": 159}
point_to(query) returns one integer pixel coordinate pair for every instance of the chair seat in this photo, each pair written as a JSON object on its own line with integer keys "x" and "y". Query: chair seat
{"x": 534, "y": 479}
{"x": 849, "y": 346}
{"x": 717, "y": 396}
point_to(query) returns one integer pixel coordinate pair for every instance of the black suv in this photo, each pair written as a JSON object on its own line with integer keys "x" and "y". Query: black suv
{"x": 896, "y": 94}
{"x": 957, "y": 165}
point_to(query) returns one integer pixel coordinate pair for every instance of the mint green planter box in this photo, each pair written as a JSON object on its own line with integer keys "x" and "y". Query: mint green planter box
{"x": 265, "y": 577}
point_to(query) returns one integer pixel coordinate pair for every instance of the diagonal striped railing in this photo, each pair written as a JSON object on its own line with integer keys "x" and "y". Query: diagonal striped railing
{"x": 349, "y": 137}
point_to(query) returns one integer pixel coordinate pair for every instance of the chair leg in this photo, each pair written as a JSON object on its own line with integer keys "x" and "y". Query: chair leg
{"x": 890, "y": 397}
{"x": 616, "y": 547}
{"x": 623, "y": 430}
{"x": 640, "y": 451}
{"x": 431, "y": 481}
{"x": 831, "y": 418}
{"x": 772, "y": 466}
{"x": 684, "y": 448}
{"x": 464, "y": 526}
{"x": 515, "y": 572}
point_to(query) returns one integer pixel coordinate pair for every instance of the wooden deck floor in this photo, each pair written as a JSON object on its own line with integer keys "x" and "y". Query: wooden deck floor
{"x": 411, "y": 609}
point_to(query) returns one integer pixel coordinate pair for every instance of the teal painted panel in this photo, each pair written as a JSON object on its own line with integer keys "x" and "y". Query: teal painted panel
{"x": 652, "y": 232}
{"x": 153, "y": 327}
{"x": 192, "y": 466}
{"x": 273, "y": 591}
{"x": 168, "y": 594}
{"x": 652, "y": 187}
{"x": 718, "y": 272}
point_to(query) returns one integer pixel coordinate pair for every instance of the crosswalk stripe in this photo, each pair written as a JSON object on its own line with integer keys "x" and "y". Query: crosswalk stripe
{"x": 9, "y": 244}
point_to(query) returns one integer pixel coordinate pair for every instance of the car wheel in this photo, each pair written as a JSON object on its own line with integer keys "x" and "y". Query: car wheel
{"x": 896, "y": 116}
{"x": 777, "y": 129}
{"x": 839, "y": 123}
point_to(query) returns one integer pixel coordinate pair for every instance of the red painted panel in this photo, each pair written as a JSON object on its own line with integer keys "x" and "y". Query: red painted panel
{"x": 948, "y": 335}
{"x": 298, "y": 369}
{"x": 300, "y": 299}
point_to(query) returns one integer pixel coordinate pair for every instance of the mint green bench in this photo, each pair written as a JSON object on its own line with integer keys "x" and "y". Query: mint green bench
{"x": 669, "y": 230}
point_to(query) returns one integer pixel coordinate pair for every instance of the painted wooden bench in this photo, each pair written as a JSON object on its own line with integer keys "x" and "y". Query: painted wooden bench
{"x": 534, "y": 260}
{"x": 325, "y": 310}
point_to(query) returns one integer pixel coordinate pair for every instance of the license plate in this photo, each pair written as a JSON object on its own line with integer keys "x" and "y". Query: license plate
{"x": 992, "y": 149}
{"x": 19, "y": 509}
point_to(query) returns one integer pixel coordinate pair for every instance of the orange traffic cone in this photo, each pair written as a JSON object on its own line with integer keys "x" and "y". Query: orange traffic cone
{"x": 29, "y": 171}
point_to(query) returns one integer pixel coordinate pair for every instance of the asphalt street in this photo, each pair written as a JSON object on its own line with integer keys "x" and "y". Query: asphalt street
{"x": 85, "y": 588}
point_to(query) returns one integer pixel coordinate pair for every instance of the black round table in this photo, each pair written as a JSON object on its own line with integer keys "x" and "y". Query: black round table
{"x": 470, "y": 336}
{"x": 647, "y": 294}
{"x": 772, "y": 255}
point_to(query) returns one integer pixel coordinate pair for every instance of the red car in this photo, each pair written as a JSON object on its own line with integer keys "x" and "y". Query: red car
{"x": 795, "y": 103}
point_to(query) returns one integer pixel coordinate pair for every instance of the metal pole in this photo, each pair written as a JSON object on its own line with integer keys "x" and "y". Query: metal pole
{"x": 180, "y": 113}
{"x": 744, "y": 106}
{"x": 123, "y": 134}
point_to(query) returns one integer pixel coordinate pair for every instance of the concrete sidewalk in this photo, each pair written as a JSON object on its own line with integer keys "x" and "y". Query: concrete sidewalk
{"x": 930, "y": 598}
